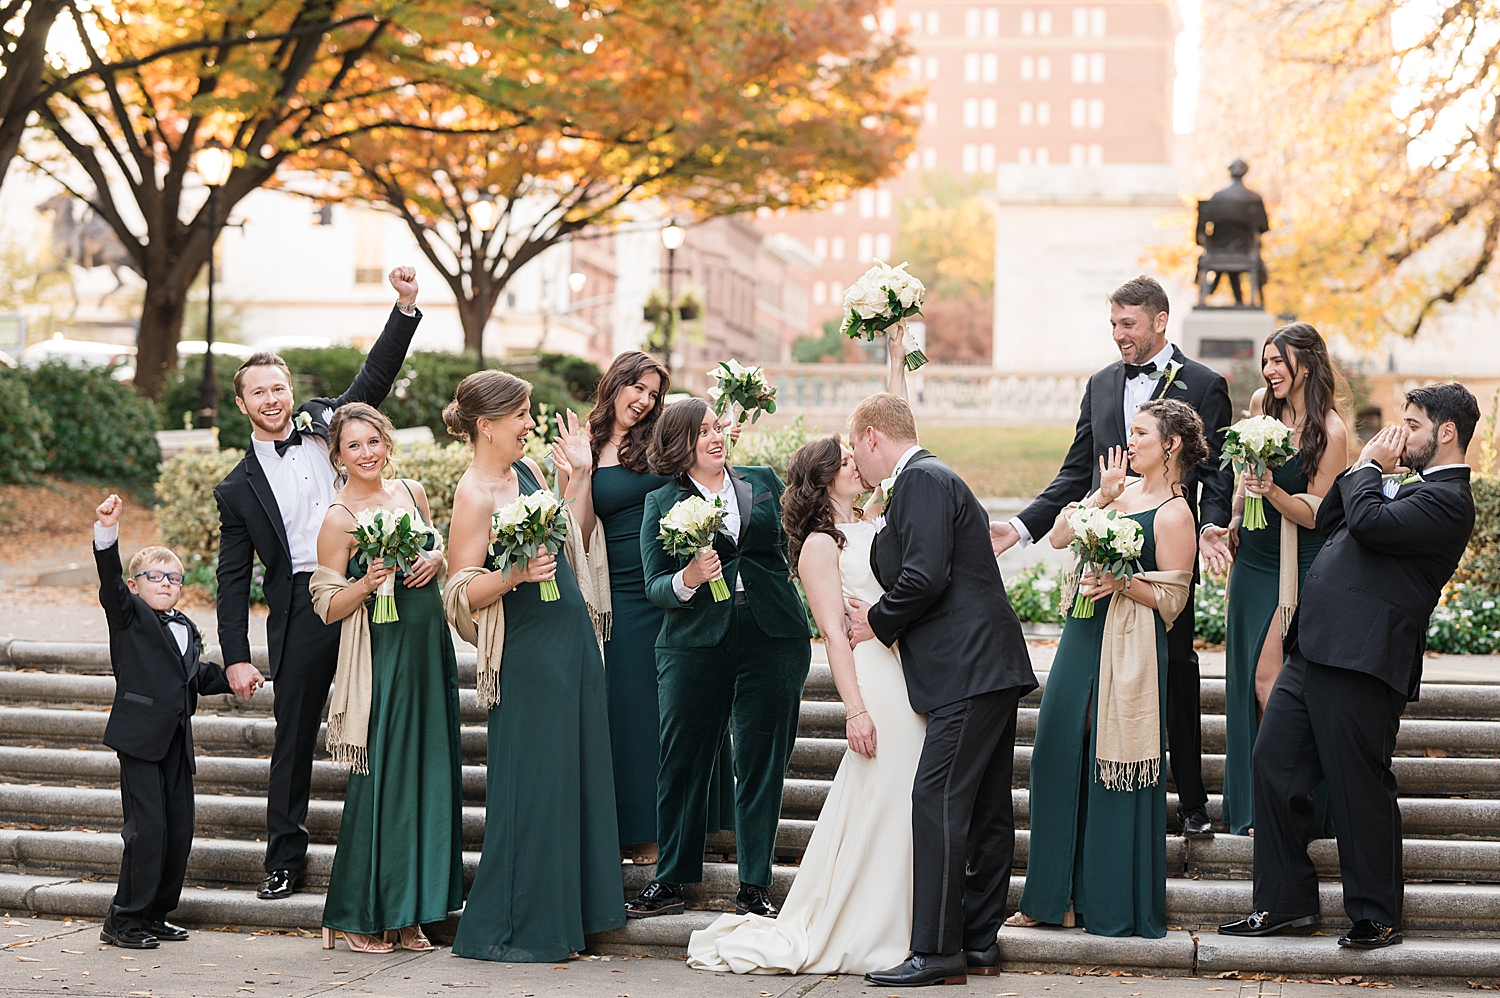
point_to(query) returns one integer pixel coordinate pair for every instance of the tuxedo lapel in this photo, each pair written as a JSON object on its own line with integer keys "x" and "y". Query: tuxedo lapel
{"x": 1117, "y": 401}
{"x": 1161, "y": 388}
{"x": 743, "y": 496}
{"x": 256, "y": 476}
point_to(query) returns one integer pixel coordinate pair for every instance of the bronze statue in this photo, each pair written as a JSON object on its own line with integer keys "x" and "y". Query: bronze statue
{"x": 1230, "y": 224}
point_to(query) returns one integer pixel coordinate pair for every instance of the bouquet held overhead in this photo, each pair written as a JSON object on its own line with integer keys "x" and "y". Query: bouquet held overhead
{"x": 884, "y": 297}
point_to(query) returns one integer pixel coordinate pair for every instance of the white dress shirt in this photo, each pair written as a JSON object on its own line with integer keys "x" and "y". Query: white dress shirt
{"x": 1138, "y": 391}
{"x": 103, "y": 538}
{"x": 303, "y": 482}
{"x": 879, "y": 521}
{"x": 731, "y": 527}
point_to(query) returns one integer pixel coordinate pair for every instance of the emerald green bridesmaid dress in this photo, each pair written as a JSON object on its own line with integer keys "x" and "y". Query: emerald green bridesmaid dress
{"x": 400, "y": 847}
{"x": 1105, "y": 851}
{"x": 550, "y": 871}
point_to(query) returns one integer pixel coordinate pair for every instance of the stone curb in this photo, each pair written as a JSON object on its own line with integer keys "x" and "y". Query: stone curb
{"x": 1419, "y": 958}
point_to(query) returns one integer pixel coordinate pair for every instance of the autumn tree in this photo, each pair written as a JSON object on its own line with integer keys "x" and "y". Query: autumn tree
{"x": 718, "y": 106}
{"x": 948, "y": 236}
{"x": 24, "y": 27}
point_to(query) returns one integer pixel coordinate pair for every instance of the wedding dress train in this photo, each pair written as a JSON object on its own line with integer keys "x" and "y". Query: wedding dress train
{"x": 850, "y": 908}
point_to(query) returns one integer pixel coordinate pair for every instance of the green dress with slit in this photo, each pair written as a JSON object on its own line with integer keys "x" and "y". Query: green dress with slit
{"x": 1254, "y": 591}
{"x": 550, "y": 871}
{"x": 1105, "y": 851}
{"x": 400, "y": 846}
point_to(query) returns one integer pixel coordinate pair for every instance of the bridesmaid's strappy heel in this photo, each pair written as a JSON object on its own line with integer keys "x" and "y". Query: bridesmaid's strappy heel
{"x": 1021, "y": 920}
{"x": 360, "y": 943}
{"x": 411, "y": 938}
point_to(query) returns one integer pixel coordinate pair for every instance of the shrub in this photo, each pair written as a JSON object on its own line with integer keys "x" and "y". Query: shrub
{"x": 100, "y": 427}
{"x": 1481, "y": 564}
{"x": 187, "y": 516}
{"x": 179, "y": 397}
{"x": 1036, "y": 595}
{"x": 24, "y": 430}
{"x": 771, "y": 447}
{"x": 579, "y": 376}
{"x": 1465, "y": 621}
{"x": 438, "y": 467}
{"x": 1208, "y": 608}
{"x": 204, "y": 575}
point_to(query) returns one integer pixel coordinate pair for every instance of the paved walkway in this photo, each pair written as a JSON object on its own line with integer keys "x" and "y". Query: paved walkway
{"x": 65, "y": 958}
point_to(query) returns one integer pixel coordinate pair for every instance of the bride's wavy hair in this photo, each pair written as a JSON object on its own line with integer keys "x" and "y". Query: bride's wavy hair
{"x": 806, "y": 508}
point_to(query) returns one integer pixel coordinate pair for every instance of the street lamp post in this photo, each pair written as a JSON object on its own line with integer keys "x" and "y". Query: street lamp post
{"x": 484, "y": 213}
{"x": 672, "y": 237}
{"x": 213, "y": 163}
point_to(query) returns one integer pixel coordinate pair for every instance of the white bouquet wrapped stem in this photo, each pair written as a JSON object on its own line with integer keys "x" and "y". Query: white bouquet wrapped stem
{"x": 880, "y": 299}
{"x": 1255, "y": 445}
{"x": 381, "y": 534}
{"x": 522, "y": 527}
{"x": 689, "y": 528}
{"x": 744, "y": 389}
{"x": 1106, "y": 541}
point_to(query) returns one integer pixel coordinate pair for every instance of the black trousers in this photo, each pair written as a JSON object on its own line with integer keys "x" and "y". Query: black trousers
{"x": 1184, "y": 712}
{"x": 302, "y": 680}
{"x": 963, "y": 827}
{"x": 1323, "y": 723}
{"x": 157, "y": 798}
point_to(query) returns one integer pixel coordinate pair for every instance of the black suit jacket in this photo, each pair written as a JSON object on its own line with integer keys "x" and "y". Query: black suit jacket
{"x": 250, "y": 521}
{"x": 156, "y": 686}
{"x": 944, "y": 598}
{"x": 1101, "y": 425}
{"x": 1369, "y": 594}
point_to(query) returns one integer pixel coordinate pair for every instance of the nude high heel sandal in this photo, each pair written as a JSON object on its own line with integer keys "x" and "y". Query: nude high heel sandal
{"x": 327, "y": 937}
{"x": 1070, "y": 917}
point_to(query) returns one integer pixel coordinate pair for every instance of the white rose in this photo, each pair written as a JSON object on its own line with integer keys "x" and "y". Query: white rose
{"x": 874, "y": 303}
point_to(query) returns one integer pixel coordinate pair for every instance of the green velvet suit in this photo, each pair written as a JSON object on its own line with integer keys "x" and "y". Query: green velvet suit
{"x": 738, "y": 664}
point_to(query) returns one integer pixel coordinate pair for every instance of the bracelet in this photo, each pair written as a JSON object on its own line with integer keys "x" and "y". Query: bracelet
{"x": 850, "y": 717}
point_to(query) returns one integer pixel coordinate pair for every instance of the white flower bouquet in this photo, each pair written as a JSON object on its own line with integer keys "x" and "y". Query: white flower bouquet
{"x": 743, "y": 387}
{"x": 1254, "y": 445}
{"x": 1107, "y": 542}
{"x": 880, "y": 299}
{"x": 520, "y": 529}
{"x": 689, "y": 528}
{"x": 381, "y": 534}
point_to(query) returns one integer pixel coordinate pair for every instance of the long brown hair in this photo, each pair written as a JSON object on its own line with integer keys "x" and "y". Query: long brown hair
{"x": 628, "y": 368}
{"x": 806, "y": 508}
{"x": 675, "y": 441}
{"x": 1303, "y": 349}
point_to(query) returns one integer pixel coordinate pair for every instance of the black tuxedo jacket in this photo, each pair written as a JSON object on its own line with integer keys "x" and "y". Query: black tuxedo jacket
{"x": 1101, "y": 425}
{"x": 156, "y": 686}
{"x": 944, "y": 598}
{"x": 1369, "y": 594}
{"x": 250, "y": 521}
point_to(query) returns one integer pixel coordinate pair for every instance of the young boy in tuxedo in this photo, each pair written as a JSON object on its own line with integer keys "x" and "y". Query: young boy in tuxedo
{"x": 153, "y": 651}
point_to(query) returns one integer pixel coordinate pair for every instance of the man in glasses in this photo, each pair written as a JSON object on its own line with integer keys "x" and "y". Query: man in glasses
{"x": 153, "y": 651}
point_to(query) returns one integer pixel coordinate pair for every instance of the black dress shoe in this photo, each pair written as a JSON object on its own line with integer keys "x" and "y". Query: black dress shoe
{"x": 1195, "y": 824}
{"x": 1370, "y": 934}
{"x": 166, "y": 931}
{"x": 922, "y": 969}
{"x": 753, "y": 900}
{"x": 134, "y": 937}
{"x": 1263, "y": 923}
{"x": 656, "y": 898}
{"x": 280, "y": 884}
{"x": 984, "y": 962}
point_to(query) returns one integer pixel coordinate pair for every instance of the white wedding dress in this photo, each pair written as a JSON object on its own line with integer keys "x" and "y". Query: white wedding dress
{"x": 849, "y": 910}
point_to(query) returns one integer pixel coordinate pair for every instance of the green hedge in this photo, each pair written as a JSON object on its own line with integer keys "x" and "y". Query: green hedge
{"x": 99, "y": 428}
{"x": 179, "y": 399}
{"x": 772, "y": 448}
{"x": 24, "y": 430}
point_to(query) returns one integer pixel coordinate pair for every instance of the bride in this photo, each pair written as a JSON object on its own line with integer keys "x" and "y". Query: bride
{"x": 849, "y": 909}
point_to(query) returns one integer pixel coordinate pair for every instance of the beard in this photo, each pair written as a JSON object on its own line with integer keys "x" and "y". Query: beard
{"x": 1419, "y": 460}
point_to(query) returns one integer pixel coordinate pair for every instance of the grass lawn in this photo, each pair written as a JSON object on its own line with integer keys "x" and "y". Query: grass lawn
{"x": 1001, "y": 460}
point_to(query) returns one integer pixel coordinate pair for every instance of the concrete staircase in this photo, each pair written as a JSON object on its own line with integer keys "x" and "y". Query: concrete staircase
{"x": 60, "y": 817}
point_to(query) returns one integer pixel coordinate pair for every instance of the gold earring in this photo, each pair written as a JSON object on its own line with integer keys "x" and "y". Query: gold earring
{"x": 489, "y": 438}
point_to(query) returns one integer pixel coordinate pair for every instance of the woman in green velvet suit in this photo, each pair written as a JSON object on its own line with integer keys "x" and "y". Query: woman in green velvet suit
{"x": 735, "y": 665}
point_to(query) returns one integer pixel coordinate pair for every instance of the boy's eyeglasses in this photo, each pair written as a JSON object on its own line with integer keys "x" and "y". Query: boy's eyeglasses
{"x": 153, "y": 575}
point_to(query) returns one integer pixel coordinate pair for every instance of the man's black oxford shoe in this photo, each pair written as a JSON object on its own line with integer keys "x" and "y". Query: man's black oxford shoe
{"x": 984, "y": 962}
{"x": 134, "y": 937}
{"x": 922, "y": 969}
{"x": 754, "y": 900}
{"x": 166, "y": 931}
{"x": 656, "y": 898}
{"x": 1195, "y": 824}
{"x": 1370, "y": 934}
{"x": 1263, "y": 923}
{"x": 279, "y": 884}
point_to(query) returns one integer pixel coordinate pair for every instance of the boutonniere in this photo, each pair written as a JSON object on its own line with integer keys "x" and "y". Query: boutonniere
{"x": 883, "y": 493}
{"x": 302, "y": 422}
{"x": 1168, "y": 377}
{"x": 1411, "y": 476}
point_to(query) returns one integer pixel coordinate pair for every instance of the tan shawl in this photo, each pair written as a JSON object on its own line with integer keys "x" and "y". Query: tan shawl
{"x": 1286, "y": 600}
{"x": 485, "y": 628}
{"x": 349, "y": 704}
{"x": 1128, "y": 740}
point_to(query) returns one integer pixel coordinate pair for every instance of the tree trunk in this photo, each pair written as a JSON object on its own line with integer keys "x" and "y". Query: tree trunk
{"x": 474, "y": 318}
{"x": 23, "y": 74}
{"x": 161, "y": 328}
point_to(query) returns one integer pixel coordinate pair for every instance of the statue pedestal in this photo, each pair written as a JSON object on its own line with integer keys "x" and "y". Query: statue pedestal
{"x": 1219, "y": 336}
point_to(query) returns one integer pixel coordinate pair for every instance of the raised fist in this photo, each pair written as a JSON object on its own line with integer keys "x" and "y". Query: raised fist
{"x": 404, "y": 280}
{"x": 109, "y": 510}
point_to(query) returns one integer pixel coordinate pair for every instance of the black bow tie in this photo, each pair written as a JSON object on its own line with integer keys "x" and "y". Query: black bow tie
{"x": 1136, "y": 370}
{"x": 172, "y": 617}
{"x": 295, "y": 440}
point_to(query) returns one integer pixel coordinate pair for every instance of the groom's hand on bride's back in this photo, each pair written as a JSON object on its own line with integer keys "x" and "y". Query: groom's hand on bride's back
{"x": 859, "y": 622}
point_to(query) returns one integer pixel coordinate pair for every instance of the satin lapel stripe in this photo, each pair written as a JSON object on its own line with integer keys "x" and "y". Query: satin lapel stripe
{"x": 261, "y": 487}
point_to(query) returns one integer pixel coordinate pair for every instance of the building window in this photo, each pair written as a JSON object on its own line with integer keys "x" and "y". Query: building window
{"x": 1042, "y": 157}
{"x": 866, "y": 247}
{"x": 913, "y": 160}
{"x": 835, "y": 293}
{"x": 933, "y": 27}
{"x": 971, "y": 22}
{"x": 929, "y": 158}
{"x": 971, "y": 112}
{"x": 991, "y": 67}
{"x": 1096, "y": 67}
{"x": 1079, "y": 112}
{"x": 1080, "y": 22}
{"x": 1028, "y": 112}
{"x": 1080, "y": 67}
{"x": 1096, "y": 113}
{"x": 992, "y": 22}
{"x": 931, "y": 65}
{"x": 987, "y": 113}
{"x": 914, "y": 67}
{"x": 916, "y": 23}
{"x": 1043, "y": 113}
{"x": 1028, "y": 22}
{"x": 987, "y": 157}
{"x": 971, "y": 67}
{"x": 888, "y": 21}
{"x": 1096, "y": 22}
{"x": 1044, "y": 22}
{"x": 971, "y": 158}
{"x": 867, "y": 203}
{"x": 883, "y": 246}
{"x": 1024, "y": 156}
{"x": 836, "y": 248}
{"x": 1028, "y": 67}
{"x": 882, "y": 204}
{"x": 929, "y": 111}
{"x": 820, "y": 247}
{"x": 820, "y": 292}
{"x": 1077, "y": 154}
{"x": 367, "y": 275}
{"x": 1096, "y": 155}
{"x": 1044, "y": 67}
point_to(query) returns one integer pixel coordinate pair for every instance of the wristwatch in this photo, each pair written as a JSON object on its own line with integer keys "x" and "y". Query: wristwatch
{"x": 406, "y": 309}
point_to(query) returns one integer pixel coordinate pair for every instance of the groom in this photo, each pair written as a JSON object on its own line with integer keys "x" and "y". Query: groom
{"x": 966, "y": 668}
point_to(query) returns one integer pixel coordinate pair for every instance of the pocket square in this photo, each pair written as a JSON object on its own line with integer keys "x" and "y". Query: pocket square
{"x": 760, "y": 498}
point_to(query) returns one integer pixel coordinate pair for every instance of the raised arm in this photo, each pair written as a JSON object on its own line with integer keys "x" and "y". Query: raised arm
{"x": 1411, "y": 525}
{"x": 378, "y": 373}
{"x": 114, "y": 595}
{"x": 895, "y": 348}
{"x": 570, "y": 452}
